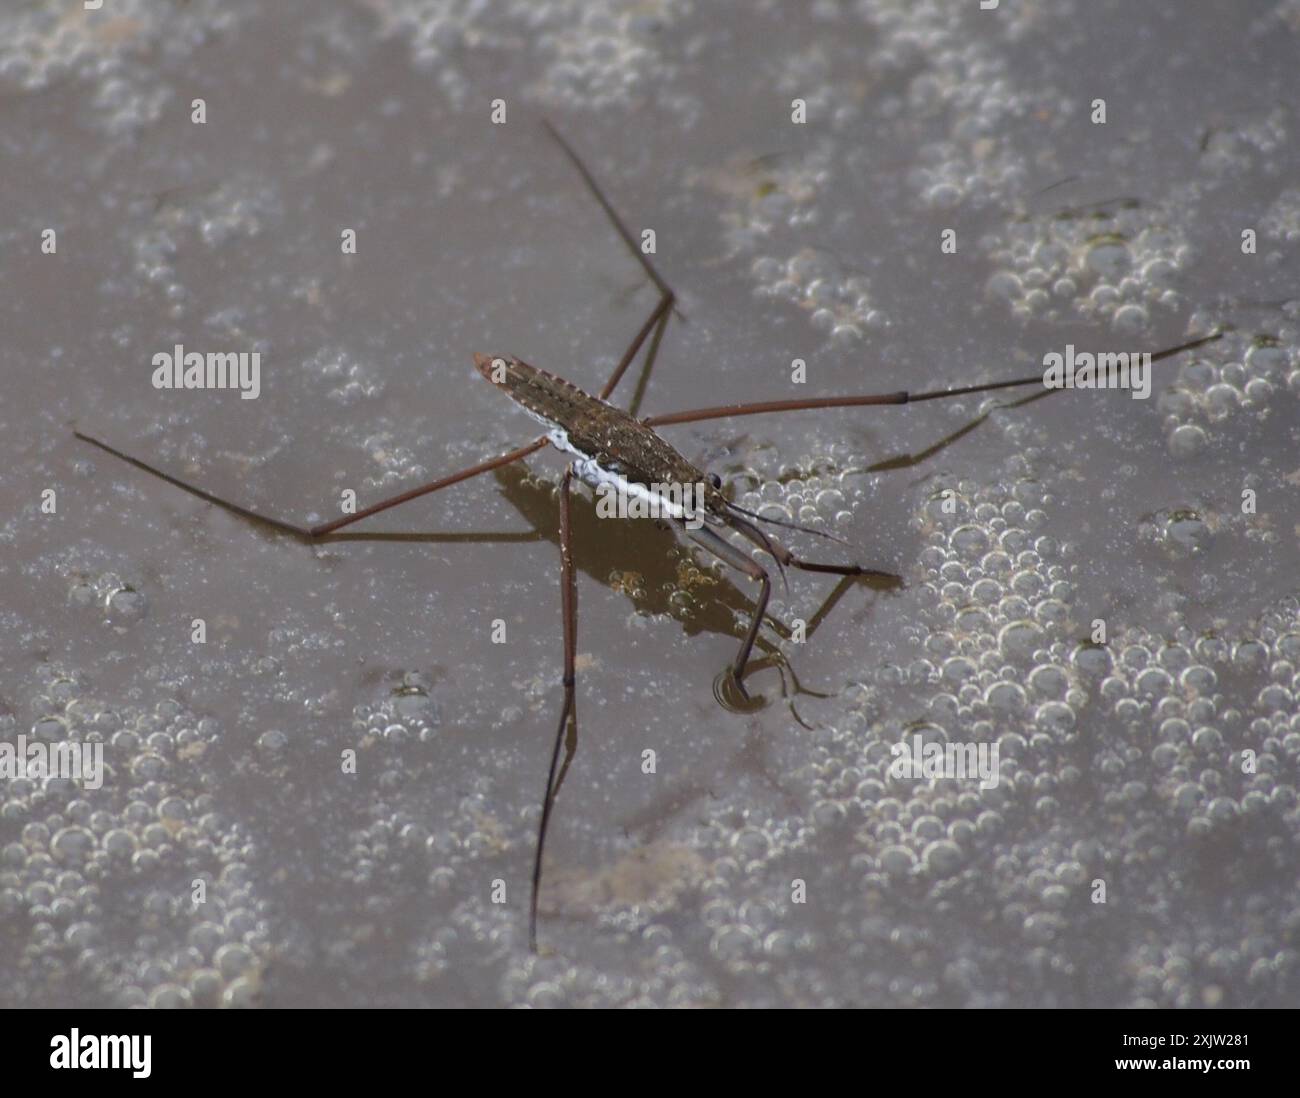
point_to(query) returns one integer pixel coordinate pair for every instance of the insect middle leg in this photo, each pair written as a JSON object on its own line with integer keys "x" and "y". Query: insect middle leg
{"x": 658, "y": 318}
{"x": 729, "y": 554}
{"x": 311, "y": 533}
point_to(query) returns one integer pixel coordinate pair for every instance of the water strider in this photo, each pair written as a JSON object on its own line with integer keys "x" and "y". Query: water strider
{"x": 613, "y": 448}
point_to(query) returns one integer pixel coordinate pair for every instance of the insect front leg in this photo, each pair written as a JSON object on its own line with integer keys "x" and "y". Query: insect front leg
{"x": 729, "y": 554}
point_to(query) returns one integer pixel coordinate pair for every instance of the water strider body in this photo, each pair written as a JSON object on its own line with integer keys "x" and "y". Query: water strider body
{"x": 610, "y": 446}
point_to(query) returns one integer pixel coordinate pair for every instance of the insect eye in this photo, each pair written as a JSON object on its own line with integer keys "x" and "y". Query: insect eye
{"x": 715, "y": 480}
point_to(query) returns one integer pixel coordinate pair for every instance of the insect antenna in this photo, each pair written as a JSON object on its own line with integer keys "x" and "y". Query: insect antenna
{"x": 788, "y": 525}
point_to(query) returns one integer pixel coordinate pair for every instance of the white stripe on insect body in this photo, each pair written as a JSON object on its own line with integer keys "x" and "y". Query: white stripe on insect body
{"x": 618, "y": 497}
{"x": 682, "y": 502}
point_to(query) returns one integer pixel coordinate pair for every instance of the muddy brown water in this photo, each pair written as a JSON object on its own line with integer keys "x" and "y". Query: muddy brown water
{"x": 818, "y": 242}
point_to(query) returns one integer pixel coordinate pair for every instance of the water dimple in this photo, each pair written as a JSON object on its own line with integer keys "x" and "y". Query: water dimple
{"x": 1182, "y": 532}
{"x": 411, "y": 700}
{"x": 125, "y": 605}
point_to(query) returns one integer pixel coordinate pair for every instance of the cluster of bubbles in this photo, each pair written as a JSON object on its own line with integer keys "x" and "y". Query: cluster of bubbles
{"x": 817, "y": 281}
{"x": 1281, "y": 220}
{"x": 396, "y": 465}
{"x": 1249, "y": 145}
{"x": 597, "y": 54}
{"x": 233, "y": 209}
{"x": 770, "y": 193}
{"x": 951, "y": 174}
{"x": 954, "y": 76}
{"x": 1130, "y": 762}
{"x": 352, "y": 381}
{"x": 120, "y": 602}
{"x": 815, "y": 490}
{"x": 949, "y": 74}
{"x": 1116, "y": 269}
{"x": 96, "y": 888}
{"x": 820, "y": 489}
{"x": 602, "y": 54}
{"x": 41, "y": 45}
{"x": 1235, "y": 377}
{"x": 771, "y": 197}
{"x": 408, "y": 713}
{"x": 993, "y": 648}
{"x": 420, "y": 850}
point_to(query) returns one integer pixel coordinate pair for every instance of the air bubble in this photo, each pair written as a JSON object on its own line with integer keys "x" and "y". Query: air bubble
{"x": 1005, "y": 697}
{"x": 1109, "y": 257}
{"x": 73, "y": 845}
{"x": 969, "y": 540}
{"x": 125, "y": 604}
{"x": 1093, "y": 660}
{"x": 273, "y": 740}
{"x": 1018, "y": 640}
{"x": 897, "y": 861}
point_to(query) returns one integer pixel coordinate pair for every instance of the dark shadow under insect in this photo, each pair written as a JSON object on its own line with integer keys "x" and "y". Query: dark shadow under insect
{"x": 611, "y": 446}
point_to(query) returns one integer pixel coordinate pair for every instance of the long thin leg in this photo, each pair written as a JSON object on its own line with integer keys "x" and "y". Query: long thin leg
{"x": 643, "y": 380}
{"x": 722, "y": 411}
{"x": 828, "y": 604}
{"x": 906, "y": 461}
{"x": 569, "y": 602}
{"x": 656, "y": 321}
{"x": 788, "y": 559}
{"x": 776, "y": 658}
{"x": 666, "y": 295}
{"x": 729, "y": 554}
{"x": 432, "y": 486}
{"x": 785, "y": 558}
{"x": 310, "y": 533}
{"x": 608, "y": 207}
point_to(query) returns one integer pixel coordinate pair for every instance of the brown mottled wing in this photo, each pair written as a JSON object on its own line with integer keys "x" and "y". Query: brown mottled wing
{"x": 617, "y": 441}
